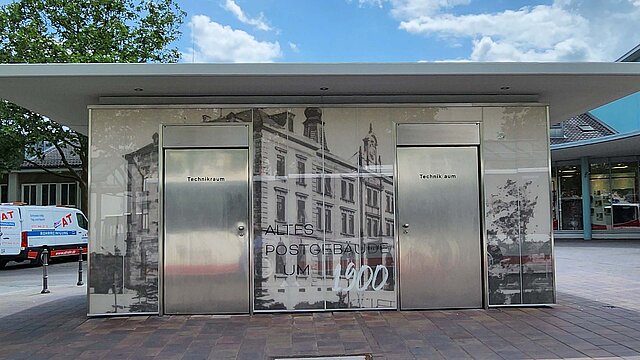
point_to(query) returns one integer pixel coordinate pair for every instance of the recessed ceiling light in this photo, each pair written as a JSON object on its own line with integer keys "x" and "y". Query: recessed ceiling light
{"x": 505, "y": 88}
{"x": 324, "y": 88}
{"x": 138, "y": 89}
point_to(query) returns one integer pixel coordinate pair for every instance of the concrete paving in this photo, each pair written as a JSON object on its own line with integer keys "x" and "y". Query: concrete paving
{"x": 20, "y": 285}
{"x": 586, "y": 323}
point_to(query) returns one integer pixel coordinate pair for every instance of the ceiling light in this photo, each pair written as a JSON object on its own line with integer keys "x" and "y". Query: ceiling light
{"x": 138, "y": 89}
{"x": 324, "y": 88}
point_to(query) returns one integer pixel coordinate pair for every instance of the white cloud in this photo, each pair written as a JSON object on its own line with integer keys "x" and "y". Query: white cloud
{"x": 294, "y": 47}
{"x": 259, "y": 22}
{"x": 567, "y": 30}
{"x": 214, "y": 42}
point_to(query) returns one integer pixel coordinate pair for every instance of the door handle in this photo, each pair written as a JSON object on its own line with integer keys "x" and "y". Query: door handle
{"x": 405, "y": 228}
{"x": 240, "y": 230}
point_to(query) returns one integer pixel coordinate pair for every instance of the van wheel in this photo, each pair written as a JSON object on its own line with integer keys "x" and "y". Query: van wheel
{"x": 3, "y": 263}
{"x": 37, "y": 261}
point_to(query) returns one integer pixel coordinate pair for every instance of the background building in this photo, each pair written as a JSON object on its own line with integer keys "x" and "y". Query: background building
{"x": 36, "y": 186}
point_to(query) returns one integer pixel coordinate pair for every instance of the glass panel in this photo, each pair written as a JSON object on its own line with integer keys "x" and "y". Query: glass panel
{"x": 520, "y": 262}
{"x": 600, "y": 195}
{"x": 275, "y": 210}
{"x": 4, "y": 194}
{"x": 624, "y": 197}
{"x": 73, "y": 191}
{"x": 45, "y": 195}
{"x": 570, "y": 181}
{"x": 64, "y": 194}
{"x": 32, "y": 196}
{"x": 554, "y": 198}
{"x": 52, "y": 194}
{"x": 124, "y": 212}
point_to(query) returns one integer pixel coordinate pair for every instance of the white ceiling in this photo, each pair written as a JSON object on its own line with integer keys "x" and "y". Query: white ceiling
{"x": 63, "y": 91}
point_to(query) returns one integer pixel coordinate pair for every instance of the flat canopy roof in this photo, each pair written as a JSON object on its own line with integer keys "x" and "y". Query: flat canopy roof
{"x": 607, "y": 146}
{"x": 63, "y": 91}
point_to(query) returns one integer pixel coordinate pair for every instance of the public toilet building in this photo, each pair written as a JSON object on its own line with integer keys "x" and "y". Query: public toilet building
{"x": 246, "y": 188}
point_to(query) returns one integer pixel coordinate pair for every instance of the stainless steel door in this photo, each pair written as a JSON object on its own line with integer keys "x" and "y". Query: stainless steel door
{"x": 206, "y": 217}
{"x": 439, "y": 227}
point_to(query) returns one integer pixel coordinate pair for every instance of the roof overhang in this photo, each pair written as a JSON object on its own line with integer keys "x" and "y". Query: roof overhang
{"x": 63, "y": 91}
{"x": 606, "y": 146}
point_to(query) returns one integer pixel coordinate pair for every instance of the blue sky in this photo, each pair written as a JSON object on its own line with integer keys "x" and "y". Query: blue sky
{"x": 416, "y": 30}
{"x": 408, "y": 30}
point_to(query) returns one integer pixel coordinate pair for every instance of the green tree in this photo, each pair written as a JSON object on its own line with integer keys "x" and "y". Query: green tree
{"x": 83, "y": 31}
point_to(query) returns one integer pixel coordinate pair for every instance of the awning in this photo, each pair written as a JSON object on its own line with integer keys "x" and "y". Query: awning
{"x": 63, "y": 91}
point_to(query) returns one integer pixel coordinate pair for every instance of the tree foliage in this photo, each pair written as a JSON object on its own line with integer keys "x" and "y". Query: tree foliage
{"x": 86, "y": 31}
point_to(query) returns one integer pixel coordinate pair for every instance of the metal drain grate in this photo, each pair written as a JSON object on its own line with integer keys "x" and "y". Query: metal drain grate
{"x": 332, "y": 357}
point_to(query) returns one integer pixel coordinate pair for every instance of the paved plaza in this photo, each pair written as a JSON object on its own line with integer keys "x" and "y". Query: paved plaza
{"x": 597, "y": 316}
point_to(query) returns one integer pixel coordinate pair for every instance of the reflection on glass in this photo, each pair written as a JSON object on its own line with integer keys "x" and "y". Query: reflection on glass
{"x": 570, "y": 180}
{"x": 600, "y": 195}
{"x": 124, "y": 213}
{"x": 520, "y": 259}
{"x": 624, "y": 197}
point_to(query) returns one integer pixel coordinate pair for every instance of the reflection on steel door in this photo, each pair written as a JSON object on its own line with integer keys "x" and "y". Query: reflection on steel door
{"x": 439, "y": 228}
{"x": 206, "y": 214}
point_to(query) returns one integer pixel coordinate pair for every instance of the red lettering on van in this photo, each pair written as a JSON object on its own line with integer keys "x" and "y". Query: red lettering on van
{"x": 66, "y": 220}
{"x": 7, "y": 215}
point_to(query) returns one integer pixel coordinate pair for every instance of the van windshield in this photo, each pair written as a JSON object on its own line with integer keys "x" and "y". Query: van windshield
{"x": 82, "y": 221}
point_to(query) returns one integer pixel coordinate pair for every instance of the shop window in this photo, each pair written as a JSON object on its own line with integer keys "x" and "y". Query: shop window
{"x": 570, "y": 181}
{"x": 554, "y": 198}
{"x": 624, "y": 196}
{"x": 600, "y": 184}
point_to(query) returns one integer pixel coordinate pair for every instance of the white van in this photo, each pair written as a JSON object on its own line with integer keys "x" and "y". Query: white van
{"x": 25, "y": 230}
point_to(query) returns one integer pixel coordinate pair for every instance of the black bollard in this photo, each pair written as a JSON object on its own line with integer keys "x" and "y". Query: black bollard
{"x": 80, "y": 283}
{"x": 45, "y": 275}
